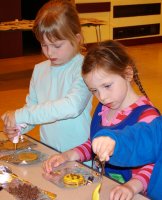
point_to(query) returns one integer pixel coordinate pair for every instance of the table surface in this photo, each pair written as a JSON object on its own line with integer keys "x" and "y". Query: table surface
{"x": 28, "y": 24}
{"x": 33, "y": 174}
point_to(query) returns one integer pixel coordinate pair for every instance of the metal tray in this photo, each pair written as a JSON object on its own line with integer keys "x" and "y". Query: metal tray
{"x": 7, "y": 145}
{"x": 24, "y": 157}
{"x": 18, "y": 187}
{"x": 75, "y": 168}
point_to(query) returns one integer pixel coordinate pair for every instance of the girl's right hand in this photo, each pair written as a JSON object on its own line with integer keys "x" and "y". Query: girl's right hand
{"x": 11, "y": 132}
{"x": 10, "y": 124}
{"x": 9, "y": 119}
{"x": 54, "y": 161}
{"x": 58, "y": 159}
{"x": 103, "y": 147}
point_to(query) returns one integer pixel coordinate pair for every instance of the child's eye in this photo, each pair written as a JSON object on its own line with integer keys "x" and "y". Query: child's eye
{"x": 51, "y": 45}
{"x": 57, "y": 46}
{"x": 107, "y": 86}
{"x": 93, "y": 91}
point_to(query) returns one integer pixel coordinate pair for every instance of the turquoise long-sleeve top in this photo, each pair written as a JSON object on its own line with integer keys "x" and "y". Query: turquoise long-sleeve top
{"x": 138, "y": 145}
{"x": 60, "y": 101}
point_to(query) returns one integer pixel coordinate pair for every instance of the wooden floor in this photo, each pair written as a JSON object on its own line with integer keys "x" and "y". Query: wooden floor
{"x": 15, "y": 75}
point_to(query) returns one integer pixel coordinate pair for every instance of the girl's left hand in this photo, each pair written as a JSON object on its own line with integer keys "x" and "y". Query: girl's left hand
{"x": 103, "y": 147}
{"x": 122, "y": 192}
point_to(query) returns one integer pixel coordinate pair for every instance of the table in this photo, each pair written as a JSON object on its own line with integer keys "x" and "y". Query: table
{"x": 33, "y": 174}
{"x": 95, "y": 23}
{"x": 27, "y": 25}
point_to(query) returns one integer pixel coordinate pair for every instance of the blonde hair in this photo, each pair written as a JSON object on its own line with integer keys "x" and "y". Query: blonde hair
{"x": 58, "y": 20}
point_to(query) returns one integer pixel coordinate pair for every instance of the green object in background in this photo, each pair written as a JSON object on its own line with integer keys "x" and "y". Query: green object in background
{"x": 117, "y": 177}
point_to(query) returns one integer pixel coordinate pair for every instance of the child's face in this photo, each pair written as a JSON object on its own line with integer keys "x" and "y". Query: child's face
{"x": 110, "y": 89}
{"x": 58, "y": 52}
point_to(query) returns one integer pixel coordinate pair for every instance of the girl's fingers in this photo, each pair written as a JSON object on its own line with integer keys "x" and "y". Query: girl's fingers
{"x": 96, "y": 146}
{"x": 53, "y": 161}
{"x": 46, "y": 167}
{"x": 104, "y": 157}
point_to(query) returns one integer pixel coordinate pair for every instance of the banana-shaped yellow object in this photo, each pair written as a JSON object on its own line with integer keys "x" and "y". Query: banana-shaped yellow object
{"x": 96, "y": 192}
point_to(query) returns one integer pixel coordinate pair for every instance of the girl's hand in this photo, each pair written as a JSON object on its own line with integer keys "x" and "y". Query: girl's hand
{"x": 11, "y": 132}
{"x": 53, "y": 161}
{"x": 127, "y": 190}
{"x": 9, "y": 119}
{"x": 104, "y": 147}
{"x": 10, "y": 124}
{"x": 58, "y": 159}
{"x": 122, "y": 192}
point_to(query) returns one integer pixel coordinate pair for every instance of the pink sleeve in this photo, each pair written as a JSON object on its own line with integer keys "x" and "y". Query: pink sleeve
{"x": 84, "y": 151}
{"x": 143, "y": 174}
{"x": 148, "y": 115}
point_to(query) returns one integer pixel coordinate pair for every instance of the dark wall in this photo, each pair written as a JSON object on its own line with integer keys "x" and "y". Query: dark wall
{"x": 11, "y": 42}
{"x": 10, "y": 10}
{"x": 29, "y": 8}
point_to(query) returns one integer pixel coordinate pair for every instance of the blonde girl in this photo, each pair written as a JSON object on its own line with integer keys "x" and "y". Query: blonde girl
{"x": 58, "y": 98}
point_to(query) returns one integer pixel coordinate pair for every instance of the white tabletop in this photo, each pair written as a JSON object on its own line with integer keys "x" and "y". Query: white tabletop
{"x": 33, "y": 174}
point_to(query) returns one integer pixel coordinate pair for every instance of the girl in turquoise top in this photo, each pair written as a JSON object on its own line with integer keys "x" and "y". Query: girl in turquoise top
{"x": 58, "y": 98}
